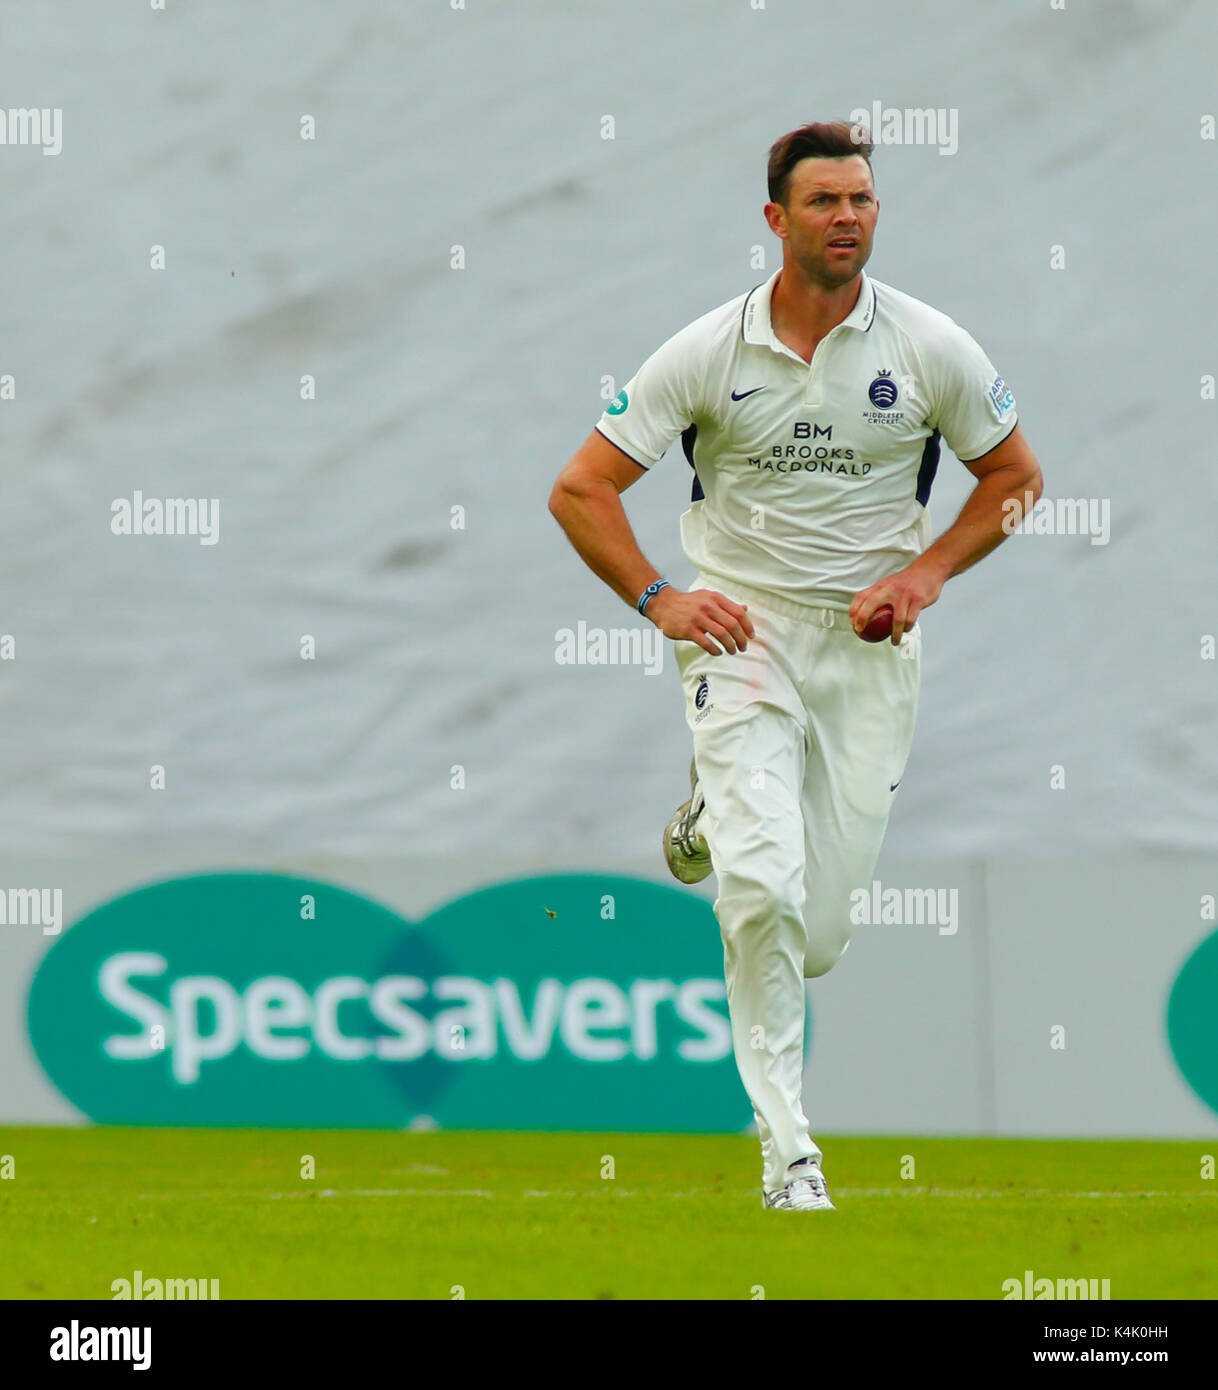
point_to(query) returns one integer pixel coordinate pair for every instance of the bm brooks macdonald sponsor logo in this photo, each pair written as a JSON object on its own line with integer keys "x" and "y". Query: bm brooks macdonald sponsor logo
{"x": 1030, "y": 1287}
{"x": 616, "y": 646}
{"x": 32, "y": 125}
{"x": 575, "y": 1001}
{"x": 906, "y": 907}
{"x": 907, "y": 125}
{"x": 1058, "y": 516}
{"x": 166, "y": 516}
{"x": 810, "y": 457}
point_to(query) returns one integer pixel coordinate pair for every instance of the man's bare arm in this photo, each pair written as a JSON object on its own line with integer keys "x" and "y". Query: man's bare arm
{"x": 1009, "y": 472}
{"x": 586, "y": 503}
{"x": 1005, "y": 476}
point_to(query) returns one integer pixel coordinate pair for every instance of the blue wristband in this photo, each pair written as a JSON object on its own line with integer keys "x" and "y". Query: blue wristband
{"x": 649, "y": 593}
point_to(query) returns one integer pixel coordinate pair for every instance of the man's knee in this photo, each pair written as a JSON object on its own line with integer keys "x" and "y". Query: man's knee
{"x": 822, "y": 956}
{"x": 752, "y": 903}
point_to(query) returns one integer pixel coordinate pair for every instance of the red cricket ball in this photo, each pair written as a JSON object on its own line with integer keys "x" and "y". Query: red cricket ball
{"x": 879, "y": 629}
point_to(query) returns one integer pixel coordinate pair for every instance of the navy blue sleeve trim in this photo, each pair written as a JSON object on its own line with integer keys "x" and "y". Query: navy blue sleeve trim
{"x": 646, "y": 467}
{"x": 992, "y": 447}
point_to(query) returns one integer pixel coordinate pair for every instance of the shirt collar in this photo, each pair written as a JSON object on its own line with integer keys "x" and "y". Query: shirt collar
{"x": 755, "y": 326}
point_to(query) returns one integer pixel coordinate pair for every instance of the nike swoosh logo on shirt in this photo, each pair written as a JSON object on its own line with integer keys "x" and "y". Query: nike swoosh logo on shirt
{"x": 740, "y": 395}
{"x": 894, "y": 786}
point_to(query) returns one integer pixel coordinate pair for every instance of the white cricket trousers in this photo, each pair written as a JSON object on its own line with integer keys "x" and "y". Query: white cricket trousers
{"x": 800, "y": 742}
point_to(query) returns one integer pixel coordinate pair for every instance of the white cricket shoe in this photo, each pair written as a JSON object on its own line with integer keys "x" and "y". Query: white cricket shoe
{"x": 685, "y": 849}
{"x": 806, "y": 1190}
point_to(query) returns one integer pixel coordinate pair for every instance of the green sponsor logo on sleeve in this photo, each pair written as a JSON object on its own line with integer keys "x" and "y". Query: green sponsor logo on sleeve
{"x": 619, "y": 403}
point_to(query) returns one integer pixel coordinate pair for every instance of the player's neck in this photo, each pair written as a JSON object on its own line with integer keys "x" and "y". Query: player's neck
{"x": 802, "y": 312}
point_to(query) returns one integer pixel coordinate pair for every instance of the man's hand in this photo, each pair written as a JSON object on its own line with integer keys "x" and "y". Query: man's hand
{"x": 699, "y": 616}
{"x": 909, "y": 591}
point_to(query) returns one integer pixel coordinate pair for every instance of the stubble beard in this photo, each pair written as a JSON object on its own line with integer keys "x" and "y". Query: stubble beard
{"x": 818, "y": 270}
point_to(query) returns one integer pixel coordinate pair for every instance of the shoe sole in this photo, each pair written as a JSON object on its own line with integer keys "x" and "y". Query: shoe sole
{"x": 821, "y": 1206}
{"x": 683, "y": 868}
{"x": 824, "y": 1203}
{"x": 680, "y": 865}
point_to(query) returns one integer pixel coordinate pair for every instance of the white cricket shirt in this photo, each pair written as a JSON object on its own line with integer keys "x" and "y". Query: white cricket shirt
{"x": 811, "y": 480}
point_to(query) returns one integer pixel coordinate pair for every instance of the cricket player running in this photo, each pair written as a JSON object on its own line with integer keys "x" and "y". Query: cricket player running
{"x": 811, "y": 410}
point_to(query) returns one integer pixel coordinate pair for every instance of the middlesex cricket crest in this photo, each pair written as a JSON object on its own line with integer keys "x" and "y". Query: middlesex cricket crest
{"x": 702, "y": 701}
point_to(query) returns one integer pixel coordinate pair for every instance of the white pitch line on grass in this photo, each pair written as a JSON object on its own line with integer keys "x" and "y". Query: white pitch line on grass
{"x": 844, "y": 1192}
{"x": 387, "y": 1192}
{"x": 617, "y": 1192}
{"x": 996, "y": 1192}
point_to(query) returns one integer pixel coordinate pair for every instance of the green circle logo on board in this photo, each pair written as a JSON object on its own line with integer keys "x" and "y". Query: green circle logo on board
{"x": 618, "y": 404}
{"x": 1192, "y": 1020}
{"x": 576, "y": 1001}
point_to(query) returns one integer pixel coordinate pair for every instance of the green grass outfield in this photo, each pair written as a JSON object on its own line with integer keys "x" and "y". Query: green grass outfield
{"x": 406, "y": 1215}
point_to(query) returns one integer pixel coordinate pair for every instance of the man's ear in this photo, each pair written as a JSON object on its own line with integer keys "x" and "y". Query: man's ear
{"x": 776, "y": 218}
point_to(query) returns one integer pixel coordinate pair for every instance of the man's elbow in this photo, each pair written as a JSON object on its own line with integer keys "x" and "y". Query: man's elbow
{"x": 573, "y": 487}
{"x": 1023, "y": 475}
{"x": 560, "y": 498}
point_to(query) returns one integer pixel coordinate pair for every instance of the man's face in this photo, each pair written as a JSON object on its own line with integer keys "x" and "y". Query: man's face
{"x": 829, "y": 218}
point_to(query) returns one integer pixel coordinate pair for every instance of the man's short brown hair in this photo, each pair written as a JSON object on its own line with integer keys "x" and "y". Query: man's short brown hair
{"x": 820, "y": 140}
